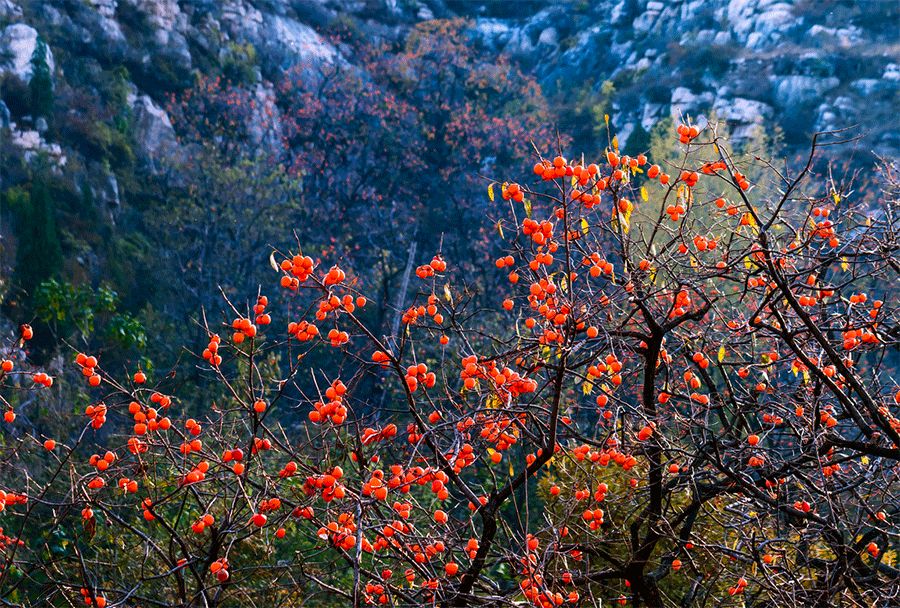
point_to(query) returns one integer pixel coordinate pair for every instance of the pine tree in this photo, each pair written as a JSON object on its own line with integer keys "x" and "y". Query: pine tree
{"x": 39, "y": 255}
{"x": 41, "y": 85}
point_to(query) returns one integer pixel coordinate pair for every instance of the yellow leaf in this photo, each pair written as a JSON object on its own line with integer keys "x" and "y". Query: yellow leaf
{"x": 527, "y": 204}
{"x": 836, "y": 197}
{"x": 644, "y": 196}
{"x": 447, "y": 295}
{"x": 491, "y": 191}
{"x": 844, "y": 265}
{"x": 606, "y": 119}
{"x": 273, "y": 263}
{"x": 615, "y": 143}
{"x": 587, "y": 387}
{"x": 500, "y": 228}
{"x": 584, "y": 226}
{"x": 721, "y": 355}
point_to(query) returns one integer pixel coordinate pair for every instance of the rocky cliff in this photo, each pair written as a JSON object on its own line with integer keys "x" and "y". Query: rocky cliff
{"x": 800, "y": 65}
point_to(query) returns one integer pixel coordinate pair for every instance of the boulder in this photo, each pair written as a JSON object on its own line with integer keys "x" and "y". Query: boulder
{"x": 798, "y": 89}
{"x": 761, "y": 23}
{"x": 685, "y": 102}
{"x": 153, "y": 131}
{"x": 838, "y": 114}
{"x": 17, "y": 44}
{"x": 170, "y": 29}
{"x": 549, "y": 37}
{"x": 281, "y": 41}
{"x": 869, "y": 86}
{"x": 31, "y": 144}
{"x": 743, "y": 116}
{"x": 9, "y": 10}
{"x": 104, "y": 186}
{"x": 106, "y": 8}
{"x": 646, "y": 20}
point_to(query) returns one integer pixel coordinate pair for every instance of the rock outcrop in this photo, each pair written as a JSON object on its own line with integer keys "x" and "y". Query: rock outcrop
{"x": 17, "y": 45}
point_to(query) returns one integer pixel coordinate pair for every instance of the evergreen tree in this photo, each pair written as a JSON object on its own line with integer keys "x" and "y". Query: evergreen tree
{"x": 39, "y": 255}
{"x": 41, "y": 85}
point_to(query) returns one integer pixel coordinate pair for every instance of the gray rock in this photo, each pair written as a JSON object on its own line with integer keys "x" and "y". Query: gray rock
{"x": 685, "y": 102}
{"x": 10, "y": 10}
{"x": 844, "y": 37}
{"x": 743, "y": 116}
{"x": 17, "y": 44}
{"x": 869, "y": 86}
{"x": 106, "y": 8}
{"x": 549, "y": 37}
{"x": 651, "y": 114}
{"x": 31, "y": 144}
{"x": 107, "y": 190}
{"x": 840, "y": 113}
{"x": 722, "y": 39}
{"x": 797, "y": 89}
{"x": 153, "y": 132}
{"x": 281, "y": 41}
{"x": 646, "y": 20}
{"x": 760, "y": 23}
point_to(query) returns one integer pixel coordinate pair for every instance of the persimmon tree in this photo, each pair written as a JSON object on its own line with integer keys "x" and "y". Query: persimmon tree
{"x": 685, "y": 394}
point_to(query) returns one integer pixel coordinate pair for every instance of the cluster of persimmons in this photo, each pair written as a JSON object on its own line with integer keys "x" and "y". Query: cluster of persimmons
{"x": 682, "y": 390}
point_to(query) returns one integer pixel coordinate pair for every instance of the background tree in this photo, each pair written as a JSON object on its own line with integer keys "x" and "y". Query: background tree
{"x": 40, "y": 86}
